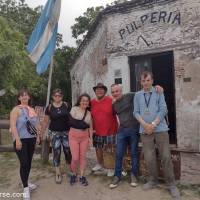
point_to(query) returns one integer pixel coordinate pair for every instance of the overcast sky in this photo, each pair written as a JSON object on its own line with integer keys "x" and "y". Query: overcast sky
{"x": 69, "y": 11}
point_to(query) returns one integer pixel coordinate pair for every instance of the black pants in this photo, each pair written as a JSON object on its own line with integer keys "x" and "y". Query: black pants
{"x": 25, "y": 156}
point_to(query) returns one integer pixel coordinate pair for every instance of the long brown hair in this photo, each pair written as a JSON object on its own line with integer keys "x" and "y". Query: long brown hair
{"x": 21, "y": 93}
{"x": 80, "y": 98}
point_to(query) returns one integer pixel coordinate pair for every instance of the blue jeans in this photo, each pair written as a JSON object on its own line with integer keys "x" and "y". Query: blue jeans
{"x": 127, "y": 136}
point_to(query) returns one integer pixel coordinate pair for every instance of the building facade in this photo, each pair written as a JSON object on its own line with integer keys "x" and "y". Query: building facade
{"x": 158, "y": 35}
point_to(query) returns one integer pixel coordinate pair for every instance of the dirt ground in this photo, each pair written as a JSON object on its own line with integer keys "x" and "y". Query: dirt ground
{"x": 43, "y": 176}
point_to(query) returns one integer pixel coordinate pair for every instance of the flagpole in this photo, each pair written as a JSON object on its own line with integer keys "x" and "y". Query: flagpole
{"x": 49, "y": 82}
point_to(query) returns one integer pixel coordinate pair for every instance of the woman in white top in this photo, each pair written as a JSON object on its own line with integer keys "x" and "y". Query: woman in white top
{"x": 80, "y": 138}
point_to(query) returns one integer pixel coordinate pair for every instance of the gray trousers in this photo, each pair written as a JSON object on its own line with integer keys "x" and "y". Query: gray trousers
{"x": 162, "y": 142}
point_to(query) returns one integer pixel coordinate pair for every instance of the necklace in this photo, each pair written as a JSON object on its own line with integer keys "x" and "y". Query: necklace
{"x": 58, "y": 106}
{"x": 58, "y": 110}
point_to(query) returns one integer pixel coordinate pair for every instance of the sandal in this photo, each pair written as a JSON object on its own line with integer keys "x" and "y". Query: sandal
{"x": 58, "y": 178}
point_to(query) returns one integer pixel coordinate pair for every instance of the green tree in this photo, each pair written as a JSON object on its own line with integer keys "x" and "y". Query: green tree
{"x": 16, "y": 69}
{"x": 20, "y": 15}
{"x": 17, "y": 21}
{"x": 61, "y": 73}
{"x": 84, "y": 22}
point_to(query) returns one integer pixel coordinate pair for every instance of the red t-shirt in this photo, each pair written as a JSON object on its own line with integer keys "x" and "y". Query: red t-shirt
{"x": 104, "y": 119}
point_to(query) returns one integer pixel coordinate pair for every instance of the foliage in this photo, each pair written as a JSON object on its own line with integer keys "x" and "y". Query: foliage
{"x": 84, "y": 22}
{"x": 16, "y": 69}
{"x": 19, "y": 15}
{"x": 61, "y": 73}
{"x": 17, "y": 21}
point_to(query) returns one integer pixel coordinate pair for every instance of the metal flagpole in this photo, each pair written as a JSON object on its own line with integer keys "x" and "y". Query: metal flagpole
{"x": 45, "y": 142}
{"x": 49, "y": 82}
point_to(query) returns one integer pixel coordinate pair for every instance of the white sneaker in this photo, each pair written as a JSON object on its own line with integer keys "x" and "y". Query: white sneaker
{"x": 134, "y": 181}
{"x": 124, "y": 173}
{"x": 97, "y": 167}
{"x": 32, "y": 186}
{"x": 110, "y": 173}
{"x": 26, "y": 194}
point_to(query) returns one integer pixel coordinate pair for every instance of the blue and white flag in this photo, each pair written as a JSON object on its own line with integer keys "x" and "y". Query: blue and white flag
{"x": 42, "y": 42}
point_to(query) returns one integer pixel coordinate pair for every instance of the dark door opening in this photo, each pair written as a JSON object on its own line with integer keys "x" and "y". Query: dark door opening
{"x": 162, "y": 67}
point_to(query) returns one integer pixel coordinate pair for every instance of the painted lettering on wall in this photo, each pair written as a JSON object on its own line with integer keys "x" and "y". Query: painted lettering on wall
{"x": 152, "y": 18}
{"x": 142, "y": 38}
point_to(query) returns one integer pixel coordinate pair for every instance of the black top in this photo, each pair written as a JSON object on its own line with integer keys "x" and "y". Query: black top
{"x": 59, "y": 117}
{"x": 124, "y": 110}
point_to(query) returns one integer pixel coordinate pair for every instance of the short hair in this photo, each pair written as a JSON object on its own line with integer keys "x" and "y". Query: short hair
{"x": 116, "y": 84}
{"x": 57, "y": 91}
{"x": 144, "y": 74}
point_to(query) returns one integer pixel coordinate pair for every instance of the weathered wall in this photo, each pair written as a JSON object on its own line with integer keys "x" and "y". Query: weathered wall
{"x": 169, "y": 26}
{"x": 153, "y": 27}
{"x": 90, "y": 68}
{"x": 190, "y": 171}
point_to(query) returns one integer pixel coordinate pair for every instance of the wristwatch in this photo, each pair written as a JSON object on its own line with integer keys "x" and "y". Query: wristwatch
{"x": 153, "y": 123}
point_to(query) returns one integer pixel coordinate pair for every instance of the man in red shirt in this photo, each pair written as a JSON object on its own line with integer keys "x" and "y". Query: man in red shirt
{"x": 104, "y": 122}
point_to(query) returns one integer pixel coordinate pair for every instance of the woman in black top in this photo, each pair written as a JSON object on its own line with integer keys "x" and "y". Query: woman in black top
{"x": 56, "y": 115}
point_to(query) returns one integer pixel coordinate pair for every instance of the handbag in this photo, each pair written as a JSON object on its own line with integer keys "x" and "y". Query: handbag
{"x": 31, "y": 128}
{"x": 77, "y": 123}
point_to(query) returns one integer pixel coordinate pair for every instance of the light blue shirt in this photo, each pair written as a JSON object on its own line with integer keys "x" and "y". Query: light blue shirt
{"x": 157, "y": 108}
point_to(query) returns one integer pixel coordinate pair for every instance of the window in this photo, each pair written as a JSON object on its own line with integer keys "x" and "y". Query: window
{"x": 118, "y": 76}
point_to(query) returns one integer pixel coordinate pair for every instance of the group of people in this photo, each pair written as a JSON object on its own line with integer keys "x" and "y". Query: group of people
{"x": 118, "y": 120}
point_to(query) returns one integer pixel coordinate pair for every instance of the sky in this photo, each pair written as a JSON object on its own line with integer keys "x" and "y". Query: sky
{"x": 69, "y": 11}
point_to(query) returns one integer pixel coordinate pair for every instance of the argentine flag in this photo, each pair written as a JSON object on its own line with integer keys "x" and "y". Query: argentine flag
{"x": 42, "y": 42}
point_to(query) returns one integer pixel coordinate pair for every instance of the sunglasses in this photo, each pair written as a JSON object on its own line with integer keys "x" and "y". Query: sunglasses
{"x": 57, "y": 95}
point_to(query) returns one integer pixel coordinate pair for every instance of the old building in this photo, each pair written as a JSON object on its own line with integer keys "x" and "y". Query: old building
{"x": 159, "y": 35}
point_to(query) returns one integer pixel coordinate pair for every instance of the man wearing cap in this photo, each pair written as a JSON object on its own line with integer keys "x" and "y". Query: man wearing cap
{"x": 105, "y": 124}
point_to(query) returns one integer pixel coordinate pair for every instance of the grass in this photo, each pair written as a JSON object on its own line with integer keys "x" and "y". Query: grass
{"x": 8, "y": 165}
{"x": 189, "y": 187}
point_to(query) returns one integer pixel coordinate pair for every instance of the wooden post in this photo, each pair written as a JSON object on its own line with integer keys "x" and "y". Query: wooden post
{"x": 0, "y": 138}
{"x": 4, "y": 124}
{"x": 46, "y": 143}
{"x": 45, "y": 149}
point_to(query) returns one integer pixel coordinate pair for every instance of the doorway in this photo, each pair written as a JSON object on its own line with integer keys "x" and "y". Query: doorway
{"x": 162, "y": 67}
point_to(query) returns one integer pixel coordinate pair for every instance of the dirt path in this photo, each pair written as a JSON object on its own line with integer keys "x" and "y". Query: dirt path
{"x": 98, "y": 189}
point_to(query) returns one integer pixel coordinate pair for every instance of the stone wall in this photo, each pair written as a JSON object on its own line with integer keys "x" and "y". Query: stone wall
{"x": 190, "y": 171}
{"x": 90, "y": 67}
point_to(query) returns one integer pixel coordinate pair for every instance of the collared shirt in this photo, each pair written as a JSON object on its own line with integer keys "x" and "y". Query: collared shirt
{"x": 157, "y": 108}
{"x": 124, "y": 109}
